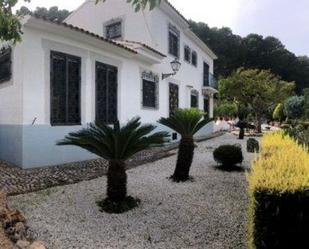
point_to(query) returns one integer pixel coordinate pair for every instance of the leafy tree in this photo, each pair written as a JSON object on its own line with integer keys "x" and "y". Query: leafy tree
{"x": 10, "y": 27}
{"x": 116, "y": 145}
{"x": 226, "y": 109}
{"x": 294, "y": 107}
{"x": 140, "y": 4}
{"x": 257, "y": 89}
{"x": 186, "y": 122}
{"x": 278, "y": 113}
{"x": 53, "y": 13}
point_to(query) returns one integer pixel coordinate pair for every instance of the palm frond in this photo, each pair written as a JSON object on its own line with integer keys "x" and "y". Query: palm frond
{"x": 116, "y": 143}
{"x": 185, "y": 121}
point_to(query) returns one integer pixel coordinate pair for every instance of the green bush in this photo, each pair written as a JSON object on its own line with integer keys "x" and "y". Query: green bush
{"x": 228, "y": 155}
{"x": 278, "y": 113}
{"x": 294, "y": 107}
{"x": 253, "y": 145}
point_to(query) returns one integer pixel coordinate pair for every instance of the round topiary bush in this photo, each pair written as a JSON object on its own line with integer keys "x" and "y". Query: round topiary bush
{"x": 228, "y": 155}
{"x": 253, "y": 145}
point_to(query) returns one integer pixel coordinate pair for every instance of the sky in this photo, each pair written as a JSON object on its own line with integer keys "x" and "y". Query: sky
{"x": 287, "y": 20}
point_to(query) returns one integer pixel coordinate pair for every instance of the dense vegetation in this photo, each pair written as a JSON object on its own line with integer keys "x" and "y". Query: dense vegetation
{"x": 253, "y": 51}
{"x": 278, "y": 190}
{"x": 53, "y": 13}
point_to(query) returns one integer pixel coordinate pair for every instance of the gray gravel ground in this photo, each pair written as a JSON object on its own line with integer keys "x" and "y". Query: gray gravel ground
{"x": 207, "y": 213}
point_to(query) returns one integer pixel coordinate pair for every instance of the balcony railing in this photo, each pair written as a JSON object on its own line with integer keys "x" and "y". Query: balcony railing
{"x": 212, "y": 82}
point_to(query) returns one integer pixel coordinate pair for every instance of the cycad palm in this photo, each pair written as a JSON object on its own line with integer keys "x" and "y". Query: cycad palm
{"x": 116, "y": 144}
{"x": 186, "y": 122}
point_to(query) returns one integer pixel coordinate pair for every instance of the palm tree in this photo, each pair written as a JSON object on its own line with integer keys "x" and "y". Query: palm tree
{"x": 116, "y": 144}
{"x": 186, "y": 122}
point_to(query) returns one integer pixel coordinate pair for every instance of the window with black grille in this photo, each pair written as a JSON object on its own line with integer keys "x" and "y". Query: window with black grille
{"x": 187, "y": 54}
{"x": 173, "y": 41}
{"x": 65, "y": 89}
{"x": 194, "y": 58}
{"x": 206, "y": 74}
{"x": 113, "y": 30}
{"x": 149, "y": 94}
{"x": 194, "y": 99}
{"x": 5, "y": 64}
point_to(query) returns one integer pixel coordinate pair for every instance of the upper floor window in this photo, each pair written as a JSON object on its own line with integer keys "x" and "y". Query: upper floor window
{"x": 113, "y": 30}
{"x": 5, "y": 64}
{"x": 65, "y": 80}
{"x": 173, "y": 41}
{"x": 187, "y": 54}
{"x": 150, "y": 90}
{"x": 194, "y": 58}
{"x": 206, "y": 74}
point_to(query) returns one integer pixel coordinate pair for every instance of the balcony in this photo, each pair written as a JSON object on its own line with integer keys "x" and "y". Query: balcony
{"x": 210, "y": 86}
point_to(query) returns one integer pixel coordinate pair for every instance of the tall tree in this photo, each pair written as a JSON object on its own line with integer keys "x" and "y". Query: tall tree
{"x": 258, "y": 89}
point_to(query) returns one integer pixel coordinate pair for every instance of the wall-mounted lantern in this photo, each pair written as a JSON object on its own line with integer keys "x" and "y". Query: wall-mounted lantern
{"x": 175, "y": 64}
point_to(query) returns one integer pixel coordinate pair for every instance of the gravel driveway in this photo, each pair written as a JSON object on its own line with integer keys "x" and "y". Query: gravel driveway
{"x": 207, "y": 213}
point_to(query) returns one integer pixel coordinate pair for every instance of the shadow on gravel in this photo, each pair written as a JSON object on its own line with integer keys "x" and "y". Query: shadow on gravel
{"x": 229, "y": 168}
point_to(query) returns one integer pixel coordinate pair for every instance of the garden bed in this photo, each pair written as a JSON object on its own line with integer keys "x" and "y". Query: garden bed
{"x": 209, "y": 212}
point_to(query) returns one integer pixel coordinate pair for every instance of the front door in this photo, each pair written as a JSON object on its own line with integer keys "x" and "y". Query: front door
{"x": 206, "y": 107}
{"x": 106, "y": 93}
{"x": 173, "y": 98}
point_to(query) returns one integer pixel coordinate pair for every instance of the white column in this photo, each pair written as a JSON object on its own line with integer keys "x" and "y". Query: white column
{"x": 211, "y": 105}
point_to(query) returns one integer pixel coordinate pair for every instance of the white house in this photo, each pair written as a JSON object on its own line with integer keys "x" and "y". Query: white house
{"x": 105, "y": 62}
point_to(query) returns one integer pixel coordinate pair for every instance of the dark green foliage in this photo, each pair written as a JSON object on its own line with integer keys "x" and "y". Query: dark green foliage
{"x": 306, "y": 104}
{"x": 299, "y": 131}
{"x": 123, "y": 206}
{"x": 186, "y": 122}
{"x": 253, "y": 51}
{"x": 281, "y": 220}
{"x": 294, "y": 107}
{"x": 116, "y": 144}
{"x": 253, "y": 145}
{"x": 228, "y": 155}
{"x": 53, "y": 13}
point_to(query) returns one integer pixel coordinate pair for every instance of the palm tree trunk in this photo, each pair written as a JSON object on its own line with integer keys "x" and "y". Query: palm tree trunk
{"x": 116, "y": 181}
{"x": 184, "y": 160}
{"x": 241, "y": 133}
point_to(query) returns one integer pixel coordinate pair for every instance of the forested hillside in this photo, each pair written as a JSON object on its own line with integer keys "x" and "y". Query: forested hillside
{"x": 253, "y": 51}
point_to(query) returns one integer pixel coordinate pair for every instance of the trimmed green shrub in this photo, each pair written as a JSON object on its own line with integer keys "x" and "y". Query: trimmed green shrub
{"x": 253, "y": 145}
{"x": 228, "y": 155}
{"x": 279, "y": 195}
{"x": 278, "y": 113}
{"x": 294, "y": 107}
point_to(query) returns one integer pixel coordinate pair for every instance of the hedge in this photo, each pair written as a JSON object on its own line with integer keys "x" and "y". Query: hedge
{"x": 279, "y": 195}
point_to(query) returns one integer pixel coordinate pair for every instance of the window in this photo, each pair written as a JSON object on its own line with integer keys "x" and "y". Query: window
{"x": 5, "y": 64}
{"x": 113, "y": 30}
{"x": 187, "y": 54}
{"x": 194, "y": 58}
{"x": 150, "y": 90}
{"x": 206, "y": 74}
{"x": 106, "y": 93}
{"x": 65, "y": 89}
{"x": 173, "y": 41}
{"x": 194, "y": 99}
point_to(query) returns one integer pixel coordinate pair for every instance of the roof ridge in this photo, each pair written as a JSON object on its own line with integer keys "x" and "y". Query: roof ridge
{"x": 86, "y": 32}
